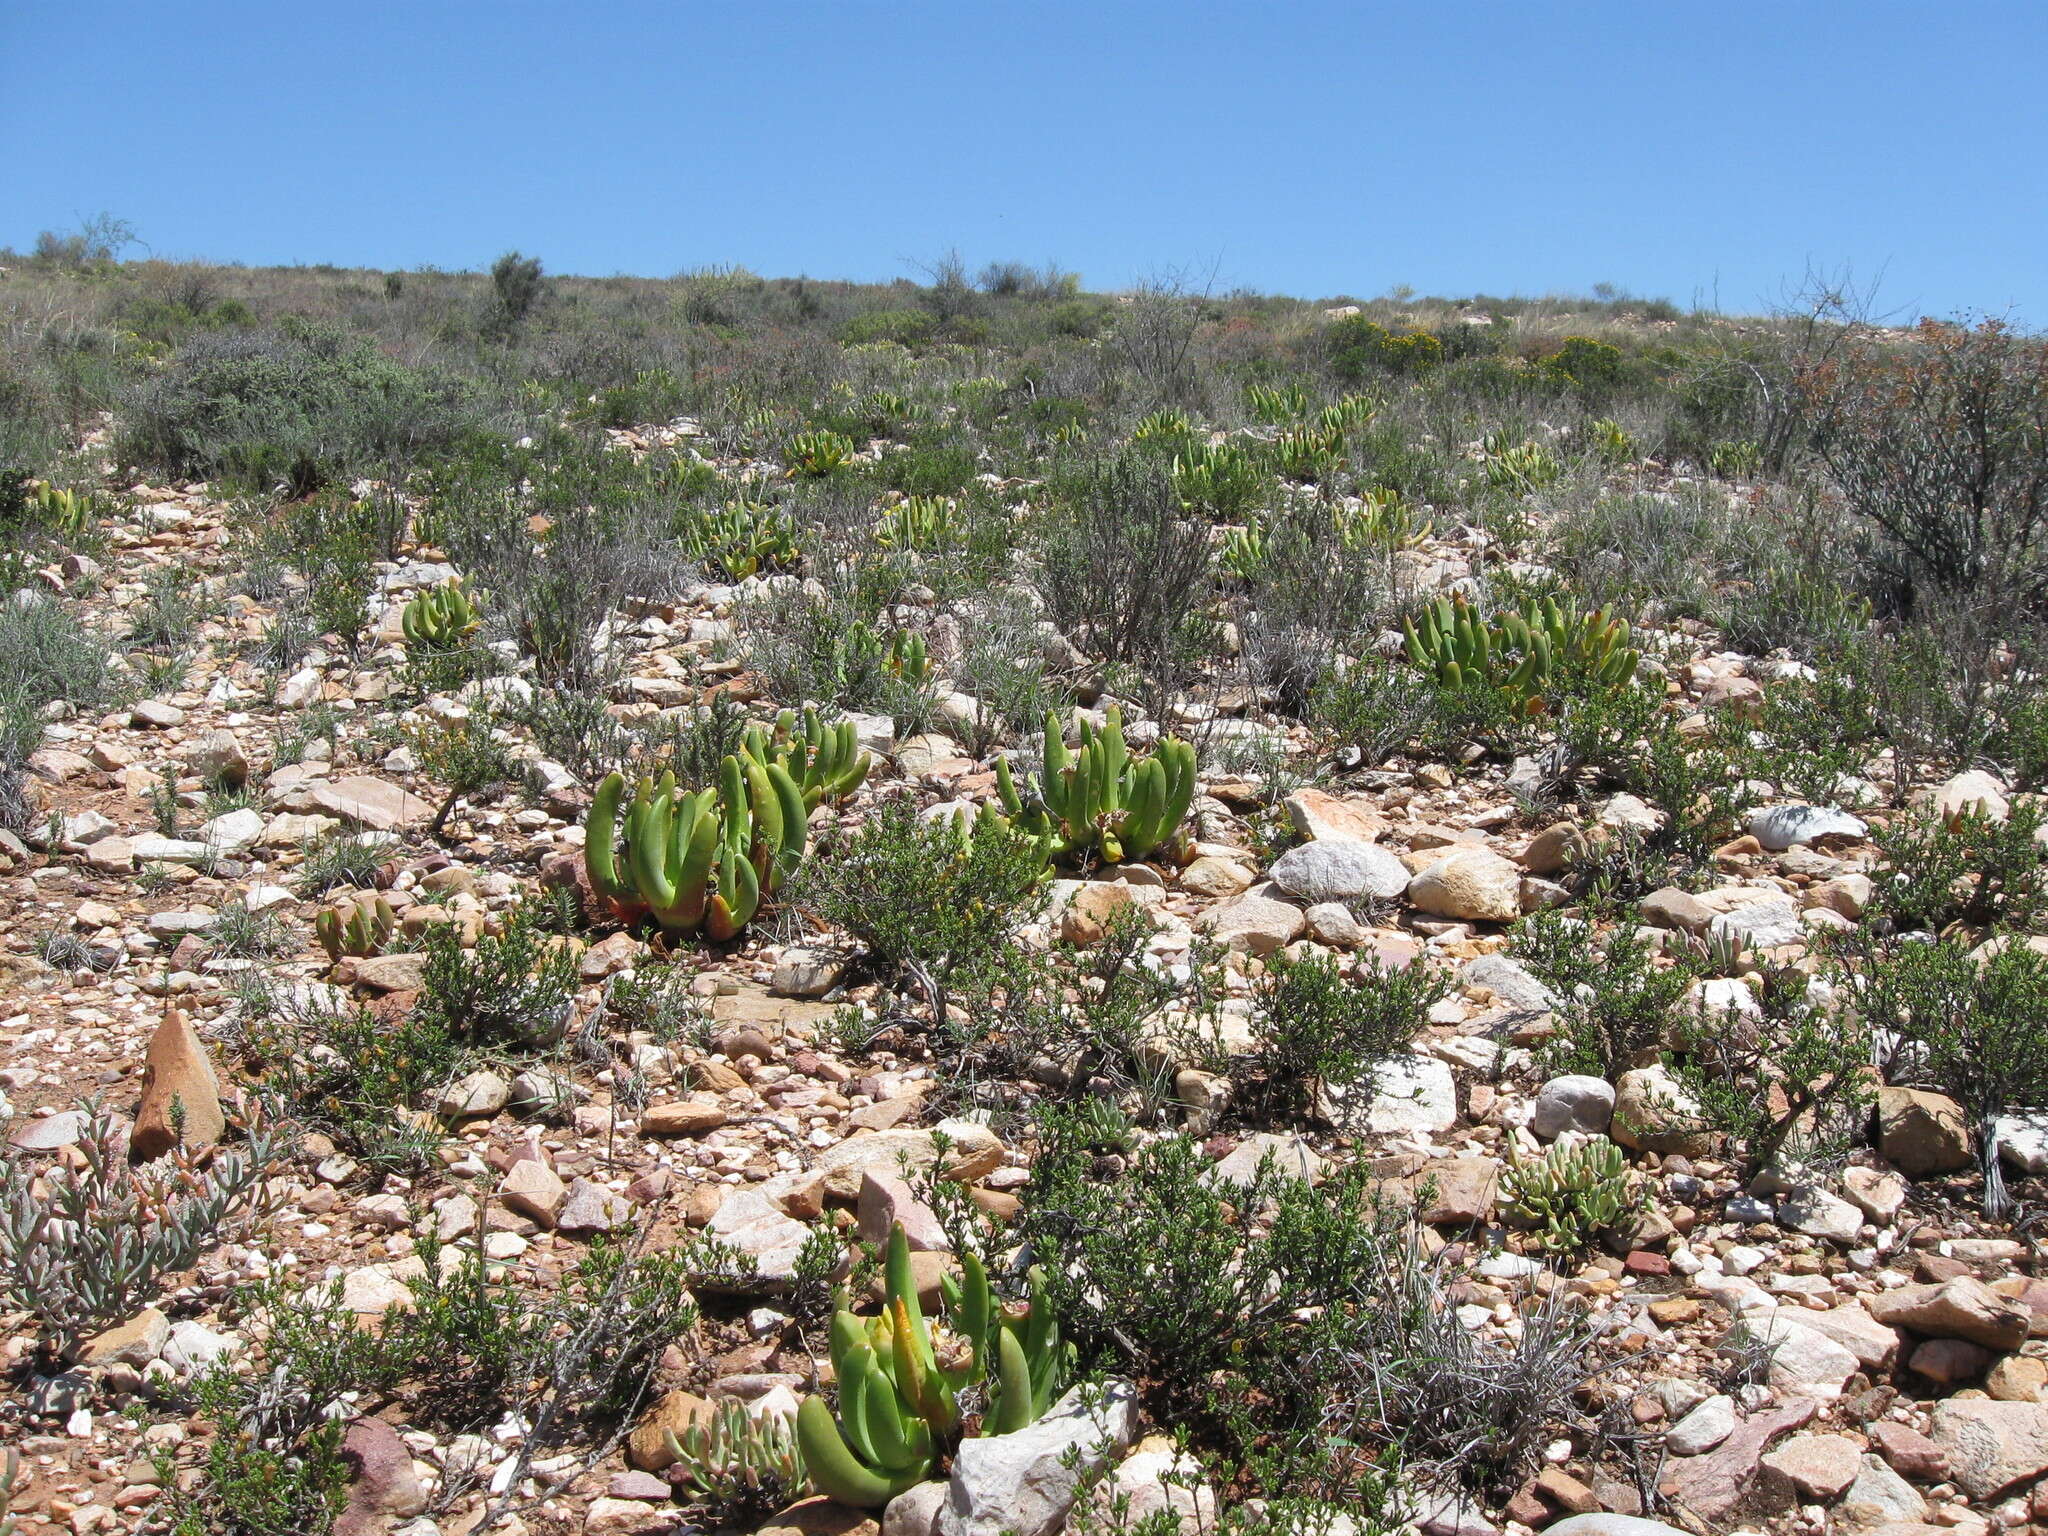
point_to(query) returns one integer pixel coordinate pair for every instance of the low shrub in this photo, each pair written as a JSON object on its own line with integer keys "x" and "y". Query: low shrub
{"x": 1322, "y": 1035}
{"x": 304, "y": 404}
{"x": 1974, "y": 1028}
{"x": 1309, "y": 1346}
{"x": 89, "y": 1244}
{"x": 1617, "y": 1006}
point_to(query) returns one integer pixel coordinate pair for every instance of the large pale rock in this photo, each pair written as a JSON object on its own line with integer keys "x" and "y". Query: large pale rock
{"x": 751, "y": 1220}
{"x": 219, "y": 759}
{"x": 1702, "y": 1429}
{"x": 1922, "y": 1133}
{"x": 1510, "y": 981}
{"x": 1291, "y": 1158}
{"x": 886, "y": 1201}
{"x": 1679, "y": 911}
{"x": 589, "y": 1207}
{"x": 1874, "y": 1344}
{"x": 1213, "y": 876}
{"x": 1760, "y": 924}
{"x": 672, "y": 1413}
{"x": 1255, "y": 923}
{"x": 1611, "y": 1525}
{"x": 1340, "y": 869}
{"x": 1574, "y": 1102}
{"x": 1779, "y": 827}
{"x": 1879, "y": 1496}
{"x": 390, "y": 973}
{"x": 383, "y": 1485}
{"x": 362, "y": 801}
{"x": 1471, "y": 885}
{"x": 801, "y": 972}
{"x": 1653, "y": 1112}
{"x": 1410, "y": 1094}
{"x": 2023, "y": 1140}
{"x": 1991, "y": 1446}
{"x": 1962, "y": 1308}
{"x": 1818, "y": 1468}
{"x": 1802, "y": 1359}
{"x": 1974, "y": 790}
{"x": 473, "y": 1096}
{"x": 534, "y": 1190}
{"x": 136, "y": 1342}
{"x": 1466, "y": 1188}
{"x": 681, "y": 1117}
{"x": 1317, "y": 815}
{"x": 916, "y": 1512}
{"x": 179, "y": 1089}
{"x": 1023, "y": 1484}
{"x": 235, "y": 832}
{"x": 974, "y": 1151}
{"x": 1816, "y": 1213}
{"x": 1878, "y": 1193}
{"x": 1162, "y": 1485}
{"x": 1095, "y": 906}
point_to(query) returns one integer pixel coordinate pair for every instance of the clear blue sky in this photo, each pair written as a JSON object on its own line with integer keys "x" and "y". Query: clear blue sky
{"x": 1710, "y": 150}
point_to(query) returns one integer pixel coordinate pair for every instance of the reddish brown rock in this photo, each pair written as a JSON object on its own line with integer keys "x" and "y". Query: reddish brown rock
{"x": 1712, "y": 1485}
{"x": 179, "y": 1092}
{"x": 1908, "y": 1452}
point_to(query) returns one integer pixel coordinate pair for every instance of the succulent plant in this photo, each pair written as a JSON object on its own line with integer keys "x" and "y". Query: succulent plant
{"x": 696, "y": 862}
{"x": 1610, "y": 441}
{"x": 1032, "y": 1363}
{"x": 1519, "y": 467}
{"x": 88, "y": 1244}
{"x": 1309, "y": 453}
{"x": 1571, "y": 1194}
{"x": 362, "y": 926}
{"x": 741, "y": 538}
{"x": 1163, "y": 424}
{"x": 1354, "y": 413}
{"x": 1220, "y": 480}
{"x": 814, "y": 455}
{"x": 923, "y": 523}
{"x": 1521, "y": 653}
{"x": 826, "y": 761}
{"x": 1376, "y": 519}
{"x": 909, "y": 657}
{"x": 737, "y": 1464}
{"x": 1243, "y": 551}
{"x": 59, "y": 507}
{"x": 1276, "y": 405}
{"x": 901, "y": 1377}
{"x": 1099, "y": 800}
{"x": 440, "y": 618}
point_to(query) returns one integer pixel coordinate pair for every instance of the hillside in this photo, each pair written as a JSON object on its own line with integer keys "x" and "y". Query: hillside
{"x": 1010, "y": 908}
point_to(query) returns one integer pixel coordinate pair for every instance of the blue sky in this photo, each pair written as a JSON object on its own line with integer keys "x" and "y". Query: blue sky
{"x": 1710, "y": 152}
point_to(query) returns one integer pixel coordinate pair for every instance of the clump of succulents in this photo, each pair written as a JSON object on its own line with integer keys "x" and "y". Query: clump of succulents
{"x": 696, "y": 862}
{"x": 1523, "y": 653}
{"x": 923, "y": 523}
{"x": 826, "y": 762}
{"x": 1571, "y": 1194}
{"x": 440, "y": 618}
{"x": 359, "y": 926}
{"x": 902, "y": 1377}
{"x": 814, "y": 455}
{"x": 737, "y": 1464}
{"x": 1099, "y": 800}
{"x": 739, "y": 539}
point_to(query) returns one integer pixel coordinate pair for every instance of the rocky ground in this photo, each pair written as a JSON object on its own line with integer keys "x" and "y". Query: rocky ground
{"x": 1906, "y": 1388}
